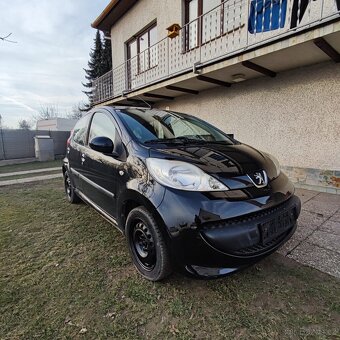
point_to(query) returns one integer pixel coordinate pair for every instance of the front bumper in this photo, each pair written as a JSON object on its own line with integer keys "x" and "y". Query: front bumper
{"x": 218, "y": 237}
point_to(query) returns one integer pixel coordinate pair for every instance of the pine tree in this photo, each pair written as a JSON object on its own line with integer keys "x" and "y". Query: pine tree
{"x": 95, "y": 64}
{"x": 107, "y": 56}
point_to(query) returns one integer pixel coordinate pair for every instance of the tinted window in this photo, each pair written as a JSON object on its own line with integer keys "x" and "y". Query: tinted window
{"x": 149, "y": 125}
{"x": 80, "y": 129}
{"x": 102, "y": 126}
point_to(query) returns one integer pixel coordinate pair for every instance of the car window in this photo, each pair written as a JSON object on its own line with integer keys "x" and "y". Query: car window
{"x": 156, "y": 125}
{"x": 179, "y": 127}
{"x": 80, "y": 129}
{"x": 102, "y": 126}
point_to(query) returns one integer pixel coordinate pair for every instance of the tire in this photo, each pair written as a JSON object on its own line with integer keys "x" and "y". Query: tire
{"x": 147, "y": 245}
{"x": 71, "y": 196}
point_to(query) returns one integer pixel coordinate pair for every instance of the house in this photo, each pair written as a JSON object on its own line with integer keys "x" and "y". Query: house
{"x": 56, "y": 124}
{"x": 267, "y": 71}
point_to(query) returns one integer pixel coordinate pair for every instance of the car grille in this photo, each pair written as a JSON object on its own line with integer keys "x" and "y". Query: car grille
{"x": 245, "y": 218}
{"x": 255, "y": 217}
{"x": 260, "y": 248}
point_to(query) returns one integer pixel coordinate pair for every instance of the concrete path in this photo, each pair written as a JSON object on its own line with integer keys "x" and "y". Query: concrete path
{"x": 5, "y": 162}
{"x": 316, "y": 242}
{"x": 8, "y": 174}
{"x": 29, "y": 179}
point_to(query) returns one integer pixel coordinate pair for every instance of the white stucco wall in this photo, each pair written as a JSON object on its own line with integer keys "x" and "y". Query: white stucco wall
{"x": 166, "y": 12}
{"x": 295, "y": 116}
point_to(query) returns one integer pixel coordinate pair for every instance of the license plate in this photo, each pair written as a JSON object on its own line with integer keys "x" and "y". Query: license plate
{"x": 275, "y": 227}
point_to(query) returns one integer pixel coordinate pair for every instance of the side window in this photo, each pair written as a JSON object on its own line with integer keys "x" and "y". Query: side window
{"x": 102, "y": 126}
{"x": 80, "y": 129}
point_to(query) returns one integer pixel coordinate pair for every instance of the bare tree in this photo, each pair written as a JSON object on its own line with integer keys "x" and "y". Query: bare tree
{"x": 78, "y": 110}
{"x": 24, "y": 124}
{"x": 5, "y": 38}
{"x": 47, "y": 112}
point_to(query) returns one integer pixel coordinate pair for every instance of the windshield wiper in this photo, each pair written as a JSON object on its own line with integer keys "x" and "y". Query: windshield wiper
{"x": 176, "y": 140}
{"x": 223, "y": 142}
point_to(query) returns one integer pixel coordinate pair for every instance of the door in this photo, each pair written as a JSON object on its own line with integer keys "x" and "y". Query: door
{"x": 101, "y": 170}
{"x": 203, "y": 22}
{"x": 142, "y": 55}
{"x": 132, "y": 63}
{"x": 76, "y": 149}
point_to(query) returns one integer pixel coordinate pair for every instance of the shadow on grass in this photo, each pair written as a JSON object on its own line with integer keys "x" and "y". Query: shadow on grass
{"x": 64, "y": 270}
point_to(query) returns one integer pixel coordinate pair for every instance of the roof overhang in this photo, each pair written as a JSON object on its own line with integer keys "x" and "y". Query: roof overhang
{"x": 112, "y": 13}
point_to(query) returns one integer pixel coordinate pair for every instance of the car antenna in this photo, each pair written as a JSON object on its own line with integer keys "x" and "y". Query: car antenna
{"x": 145, "y": 102}
{"x": 140, "y": 98}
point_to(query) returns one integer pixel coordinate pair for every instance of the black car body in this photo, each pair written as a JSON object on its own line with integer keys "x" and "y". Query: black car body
{"x": 194, "y": 199}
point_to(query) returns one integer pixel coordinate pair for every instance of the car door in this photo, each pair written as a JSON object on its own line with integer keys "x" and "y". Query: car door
{"x": 76, "y": 148}
{"x": 101, "y": 170}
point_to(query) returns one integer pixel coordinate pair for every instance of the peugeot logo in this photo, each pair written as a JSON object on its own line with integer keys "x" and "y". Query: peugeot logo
{"x": 258, "y": 176}
{"x": 259, "y": 179}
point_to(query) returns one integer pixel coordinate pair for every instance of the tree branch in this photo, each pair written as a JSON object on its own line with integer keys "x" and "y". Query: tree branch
{"x": 7, "y": 36}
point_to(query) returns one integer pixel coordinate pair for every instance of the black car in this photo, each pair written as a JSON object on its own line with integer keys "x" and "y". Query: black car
{"x": 185, "y": 194}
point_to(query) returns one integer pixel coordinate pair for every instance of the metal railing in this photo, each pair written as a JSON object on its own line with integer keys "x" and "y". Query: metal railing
{"x": 230, "y": 28}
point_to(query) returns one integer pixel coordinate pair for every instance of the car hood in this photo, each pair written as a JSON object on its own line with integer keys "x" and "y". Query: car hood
{"x": 235, "y": 162}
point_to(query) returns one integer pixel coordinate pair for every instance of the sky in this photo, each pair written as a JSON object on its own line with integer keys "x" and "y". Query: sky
{"x": 45, "y": 66}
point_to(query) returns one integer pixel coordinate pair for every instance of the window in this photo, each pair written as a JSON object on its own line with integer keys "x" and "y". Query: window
{"x": 102, "y": 126}
{"x": 158, "y": 125}
{"x": 79, "y": 130}
{"x": 142, "y": 52}
{"x": 192, "y": 12}
{"x": 211, "y": 20}
{"x": 208, "y": 19}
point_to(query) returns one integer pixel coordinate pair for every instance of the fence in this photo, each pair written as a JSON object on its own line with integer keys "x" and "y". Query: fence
{"x": 228, "y": 29}
{"x": 20, "y": 143}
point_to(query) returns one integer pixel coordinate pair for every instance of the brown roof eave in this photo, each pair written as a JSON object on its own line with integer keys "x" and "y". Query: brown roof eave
{"x": 112, "y": 13}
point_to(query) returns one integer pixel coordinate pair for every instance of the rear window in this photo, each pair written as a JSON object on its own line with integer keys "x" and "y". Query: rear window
{"x": 80, "y": 130}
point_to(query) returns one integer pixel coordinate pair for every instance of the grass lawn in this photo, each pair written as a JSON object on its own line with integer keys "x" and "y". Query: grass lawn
{"x": 30, "y": 166}
{"x": 66, "y": 273}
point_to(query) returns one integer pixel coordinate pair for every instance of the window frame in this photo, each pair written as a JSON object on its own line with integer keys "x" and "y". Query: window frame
{"x": 114, "y": 122}
{"x": 88, "y": 119}
{"x": 136, "y": 38}
{"x": 199, "y": 40}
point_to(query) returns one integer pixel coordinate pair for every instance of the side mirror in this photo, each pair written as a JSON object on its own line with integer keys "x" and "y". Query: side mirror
{"x": 102, "y": 144}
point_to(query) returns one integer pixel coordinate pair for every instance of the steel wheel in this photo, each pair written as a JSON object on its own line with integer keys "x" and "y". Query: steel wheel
{"x": 69, "y": 190}
{"x": 68, "y": 186}
{"x": 144, "y": 245}
{"x": 147, "y": 245}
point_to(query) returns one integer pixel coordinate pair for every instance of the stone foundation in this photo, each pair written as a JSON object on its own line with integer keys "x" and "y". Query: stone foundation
{"x": 314, "y": 179}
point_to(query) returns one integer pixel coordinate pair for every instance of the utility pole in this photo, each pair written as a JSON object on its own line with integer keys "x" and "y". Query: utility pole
{"x": 2, "y": 138}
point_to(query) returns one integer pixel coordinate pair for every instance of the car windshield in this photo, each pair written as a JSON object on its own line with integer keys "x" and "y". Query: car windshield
{"x": 153, "y": 126}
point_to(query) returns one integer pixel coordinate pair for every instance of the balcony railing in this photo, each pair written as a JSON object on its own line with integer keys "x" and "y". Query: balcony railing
{"x": 232, "y": 27}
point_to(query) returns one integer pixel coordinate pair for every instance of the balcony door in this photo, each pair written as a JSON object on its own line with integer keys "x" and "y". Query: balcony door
{"x": 203, "y": 21}
{"x": 142, "y": 54}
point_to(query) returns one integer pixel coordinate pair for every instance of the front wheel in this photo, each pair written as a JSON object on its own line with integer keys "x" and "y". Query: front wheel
{"x": 69, "y": 189}
{"x": 147, "y": 245}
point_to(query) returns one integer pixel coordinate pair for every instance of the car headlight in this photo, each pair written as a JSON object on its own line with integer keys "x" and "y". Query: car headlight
{"x": 276, "y": 164}
{"x": 182, "y": 175}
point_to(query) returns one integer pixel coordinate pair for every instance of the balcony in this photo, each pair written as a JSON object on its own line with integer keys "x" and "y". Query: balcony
{"x": 249, "y": 37}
